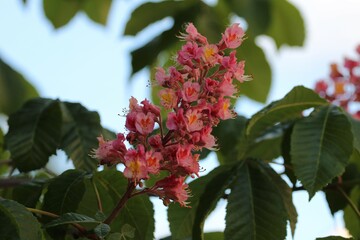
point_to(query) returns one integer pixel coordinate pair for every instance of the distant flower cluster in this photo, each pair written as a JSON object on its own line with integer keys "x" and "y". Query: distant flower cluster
{"x": 196, "y": 95}
{"x": 343, "y": 85}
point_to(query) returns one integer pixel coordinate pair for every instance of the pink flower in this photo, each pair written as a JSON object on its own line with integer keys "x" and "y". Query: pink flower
{"x": 173, "y": 188}
{"x": 190, "y": 92}
{"x": 153, "y": 161}
{"x": 222, "y": 109}
{"x": 168, "y": 98}
{"x": 187, "y": 162}
{"x": 161, "y": 76}
{"x": 233, "y": 36}
{"x": 135, "y": 163}
{"x": 210, "y": 54}
{"x": 144, "y": 123}
{"x": 194, "y": 122}
{"x": 193, "y": 34}
{"x": 110, "y": 152}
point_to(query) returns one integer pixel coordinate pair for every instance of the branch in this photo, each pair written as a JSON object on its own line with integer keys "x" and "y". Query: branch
{"x": 13, "y": 182}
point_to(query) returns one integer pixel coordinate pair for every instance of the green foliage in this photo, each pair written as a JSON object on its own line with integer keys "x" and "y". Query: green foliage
{"x": 333, "y": 238}
{"x": 60, "y": 12}
{"x": 352, "y": 219}
{"x": 70, "y": 218}
{"x": 321, "y": 145}
{"x": 17, "y": 223}
{"x": 14, "y": 89}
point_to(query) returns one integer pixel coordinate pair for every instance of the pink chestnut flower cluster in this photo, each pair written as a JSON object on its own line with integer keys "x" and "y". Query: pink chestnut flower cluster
{"x": 343, "y": 85}
{"x": 196, "y": 95}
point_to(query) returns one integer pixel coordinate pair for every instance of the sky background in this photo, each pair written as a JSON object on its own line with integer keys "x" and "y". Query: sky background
{"x": 88, "y": 63}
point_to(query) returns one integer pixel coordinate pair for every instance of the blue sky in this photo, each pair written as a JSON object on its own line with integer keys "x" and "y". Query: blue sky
{"x": 87, "y": 63}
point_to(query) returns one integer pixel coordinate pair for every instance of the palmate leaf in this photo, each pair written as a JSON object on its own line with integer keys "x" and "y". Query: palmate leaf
{"x": 187, "y": 222}
{"x": 288, "y": 108}
{"x": 34, "y": 133}
{"x": 79, "y": 132}
{"x": 257, "y": 206}
{"x": 17, "y": 223}
{"x": 138, "y": 212}
{"x": 14, "y": 89}
{"x": 321, "y": 145}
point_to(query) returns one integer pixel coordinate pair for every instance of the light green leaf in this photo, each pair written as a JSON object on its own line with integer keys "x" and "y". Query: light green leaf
{"x": 17, "y": 223}
{"x": 352, "y": 220}
{"x": 321, "y": 145}
{"x": 97, "y": 10}
{"x": 81, "y": 128}
{"x": 71, "y": 218}
{"x": 288, "y": 108}
{"x": 182, "y": 220}
{"x": 287, "y": 25}
{"x": 60, "y": 12}
{"x": 34, "y": 133}
{"x": 14, "y": 89}
{"x": 257, "y": 66}
{"x": 251, "y": 216}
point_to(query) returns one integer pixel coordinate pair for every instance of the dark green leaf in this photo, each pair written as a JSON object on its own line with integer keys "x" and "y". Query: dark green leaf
{"x": 352, "y": 220}
{"x": 60, "y": 12}
{"x": 321, "y": 145}
{"x": 257, "y": 66}
{"x": 285, "y": 152}
{"x": 182, "y": 219}
{"x": 214, "y": 236}
{"x": 81, "y": 127}
{"x": 29, "y": 193}
{"x": 14, "y": 89}
{"x": 288, "y": 108}
{"x": 267, "y": 149}
{"x": 249, "y": 214}
{"x": 257, "y": 13}
{"x": 355, "y": 127}
{"x": 65, "y": 192}
{"x": 70, "y": 218}
{"x": 102, "y": 230}
{"x": 287, "y": 25}
{"x": 144, "y": 15}
{"x": 97, "y": 10}
{"x": 16, "y": 222}
{"x": 34, "y": 133}
{"x": 333, "y": 238}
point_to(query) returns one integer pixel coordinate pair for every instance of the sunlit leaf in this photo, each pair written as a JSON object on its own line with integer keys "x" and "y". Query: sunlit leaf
{"x": 288, "y": 108}
{"x": 80, "y": 129}
{"x": 14, "y": 89}
{"x": 34, "y": 133}
{"x": 286, "y": 25}
{"x": 60, "y": 12}
{"x": 16, "y": 222}
{"x": 321, "y": 145}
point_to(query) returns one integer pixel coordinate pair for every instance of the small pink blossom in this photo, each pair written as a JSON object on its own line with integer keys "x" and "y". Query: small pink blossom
{"x": 135, "y": 163}
{"x": 233, "y": 36}
{"x": 194, "y": 122}
{"x": 222, "y": 109}
{"x": 110, "y": 152}
{"x": 144, "y": 124}
{"x": 173, "y": 188}
{"x": 153, "y": 161}
{"x": 190, "y": 92}
{"x": 210, "y": 54}
{"x": 168, "y": 98}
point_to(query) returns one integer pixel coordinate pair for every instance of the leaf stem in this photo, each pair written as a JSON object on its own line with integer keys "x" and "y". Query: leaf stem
{"x": 115, "y": 212}
{"x": 350, "y": 202}
{"x": 38, "y": 211}
{"x": 98, "y": 199}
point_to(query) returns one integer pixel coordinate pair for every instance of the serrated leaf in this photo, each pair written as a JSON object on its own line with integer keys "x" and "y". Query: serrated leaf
{"x": 65, "y": 192}
{"x": 352, "y": 220}
{"x": 182, "y": 219}
{"x": 288, "y": 108}
{"x": 81, "y": 128}
{"x": 34, "y": 133}
{"x": 70, "y": 218}
{"x": 16, "y": 222}
{"x": 97, "y": 10}
{"x": 286, "y": 25}
{"x": 257, "y": 66}
{"x": 60, "y": 12}
{"x": 144, "y": 15}
{"x": 321, "y": 145}
{"x": 251, "y": 216}
{"x": 14, "y": 89}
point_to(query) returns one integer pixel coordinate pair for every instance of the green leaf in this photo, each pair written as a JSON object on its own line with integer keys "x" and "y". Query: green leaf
{"x": 34, "y": 133}
{"x": 102, "y": 230}
{"x": 81, "y": 128}
{"x": 60, "y": 12}
{"x": 138, "y": 211}
{"x": 17, "y": 223}
{"x": 214, "y": 236}
{"x": 257, "y": 66}
{"x": 286, "y": 25}
{"x": 352, "y": 220}
{"x": 251, "y": 216}
{"x": 257, "y": 14}
{"x": 144, "y": 15}
{"x": 182, "y": 220}
{"x": 321, "y": 145}
{"x": 267, "y": 149}
{"x": 29, "y": 193}
{"x": 65, "y": 192}
{"x": 355, "y": 127}
{"x": 97, "y": 10}
{"x": 70, "y": 218}
{"x": 288, "y": 108}
{"x": 14, "y": 89}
